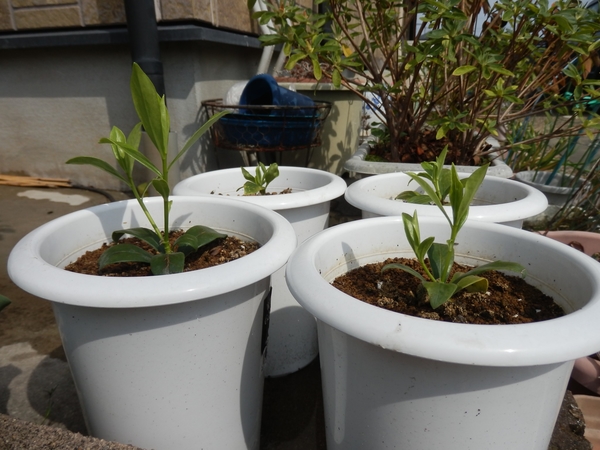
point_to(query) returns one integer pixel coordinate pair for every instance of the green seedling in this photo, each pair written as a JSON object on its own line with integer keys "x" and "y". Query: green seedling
{"x": 258, "y": 183}
{"x": 438, "y": 176}
{"x": 154, "y": 118}
{"x": 4, "y": 302}
{"x": 437, "y": 183}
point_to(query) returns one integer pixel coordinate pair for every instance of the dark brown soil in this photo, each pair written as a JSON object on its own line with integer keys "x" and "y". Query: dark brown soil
{"x": 217, "y": 252}
{"x": 509, "y": 299}
{"x": 428, "y": 149}
{"x": 258, "y": 194}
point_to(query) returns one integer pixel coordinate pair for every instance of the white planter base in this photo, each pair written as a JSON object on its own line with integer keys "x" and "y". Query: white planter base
{"x": 196, "y": 367}
{"x": 292, "y": 330}
{"x": 378, "y": 399}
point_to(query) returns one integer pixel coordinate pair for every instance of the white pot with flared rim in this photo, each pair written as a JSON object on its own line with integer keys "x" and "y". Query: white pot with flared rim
{"x": 560, "y": 190}
{"x": 396, "y": 381}
{"x": 360, "y": 168}
{"x": 170, "y": 361}
{"x": 497, "y": 200}
{"x": 292, "y": 331}
{"x": 586, "y": 370}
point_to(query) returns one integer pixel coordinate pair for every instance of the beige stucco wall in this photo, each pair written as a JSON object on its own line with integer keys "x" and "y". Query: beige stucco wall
{"x": 22, "y": 15}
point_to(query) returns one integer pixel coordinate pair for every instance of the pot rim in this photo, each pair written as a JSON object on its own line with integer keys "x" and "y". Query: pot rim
{"x": 321, "y": 187}
{"x": 558, "y": 340}
{"x": 356, "y": 163}
{"x": 360, "y": 194}
{"x": 30, "y": 271}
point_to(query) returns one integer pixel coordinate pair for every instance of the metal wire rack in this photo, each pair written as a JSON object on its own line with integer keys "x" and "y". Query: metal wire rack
{"x": 267, "y": 128}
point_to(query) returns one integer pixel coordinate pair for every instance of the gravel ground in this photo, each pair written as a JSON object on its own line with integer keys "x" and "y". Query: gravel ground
{"x": 20, "y": 435}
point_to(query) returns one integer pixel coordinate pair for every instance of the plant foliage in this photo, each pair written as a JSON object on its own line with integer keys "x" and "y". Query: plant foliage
{"x": 263, "y": 176}
{"x": 437, "y": 182}
{"x": 154, "y": 118}
{"x": 458, "y": 70}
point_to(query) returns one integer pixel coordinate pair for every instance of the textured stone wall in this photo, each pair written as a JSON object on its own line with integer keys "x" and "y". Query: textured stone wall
{"x": 24, "y": 15}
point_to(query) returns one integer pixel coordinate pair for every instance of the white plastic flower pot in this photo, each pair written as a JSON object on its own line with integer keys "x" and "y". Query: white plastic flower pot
{"x": 586, "y": 370}
{"x": 361, "y": 168}
{"x": 396, "y": 381}
{"x": 292, "y": 331}
{"x": 162, "y": 362}
{"x": 558, "y": 191}
{"x": 498, "y": 199}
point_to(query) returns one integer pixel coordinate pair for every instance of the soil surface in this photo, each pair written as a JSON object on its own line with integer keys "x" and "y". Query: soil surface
{"x": 428, "y": 149}
{"x": 217, "y": 252}
{"x": 508, "y": 300}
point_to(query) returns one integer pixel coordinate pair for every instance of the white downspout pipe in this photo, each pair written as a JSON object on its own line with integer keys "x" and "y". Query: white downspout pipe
{"x": 265, "y": 59}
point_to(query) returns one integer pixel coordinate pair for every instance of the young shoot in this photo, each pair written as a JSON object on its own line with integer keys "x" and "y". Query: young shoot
{"x": 258, "y": 183}
{"x": 438, "y": 176}
{"x": 438, "y": 182}
{"x": 154, "y": 118}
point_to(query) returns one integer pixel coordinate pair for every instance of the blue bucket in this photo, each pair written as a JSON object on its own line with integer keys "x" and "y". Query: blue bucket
{"x": 263, "y": 90}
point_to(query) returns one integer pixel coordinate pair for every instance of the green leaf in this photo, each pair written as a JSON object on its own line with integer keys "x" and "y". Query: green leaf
{"x": 89, "y": 160}
{"x": 414, "y": 197}
{"x": 247, "y": 175}
{"x": 427, "y": 188}
{"x": 162, "y": 187}
{"x": 167, "y": 263}
{"x": 151, "y": 108}
{"x": 439, "y": 293}
{"x": 135, "y": 136}
{"x": 4, "y": 302}
{"x": 463, "y": 70}
{"x": 251, "y": 188}
{"x": 423, "y": 248}
{"x": 494, "y": 265}
{"x": 440, "y": 260}
{"x": 271, "y": 173}
{"x": 134, "y": 153}
{"x": 124, "y": 253}
{"x": 471, "y": 184}
{"x": 145, "y": 234}
{"x": 411, "y": 230}
{"x": 196, "y": 237}
{"x": 336, "y": 78}
{"x": 404, "y": 268}
{"x": 472, "y": 283}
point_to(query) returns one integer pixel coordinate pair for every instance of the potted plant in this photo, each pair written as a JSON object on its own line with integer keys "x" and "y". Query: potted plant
{"x": 394, "y": 380}
{"x": 456, "y": 74}
{"x": 557, "y": 167}
{"x": 292, "y": 330}
{"x": 497, "y": 200}
{"x": 164, "y": 361}
{"x": 341, "y": 130}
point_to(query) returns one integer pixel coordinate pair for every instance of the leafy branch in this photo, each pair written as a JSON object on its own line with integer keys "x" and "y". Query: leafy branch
{"x": 463, "y": 71}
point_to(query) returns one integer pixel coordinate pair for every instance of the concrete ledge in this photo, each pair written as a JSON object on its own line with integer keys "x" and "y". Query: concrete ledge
{"x": 118, "y": 35}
